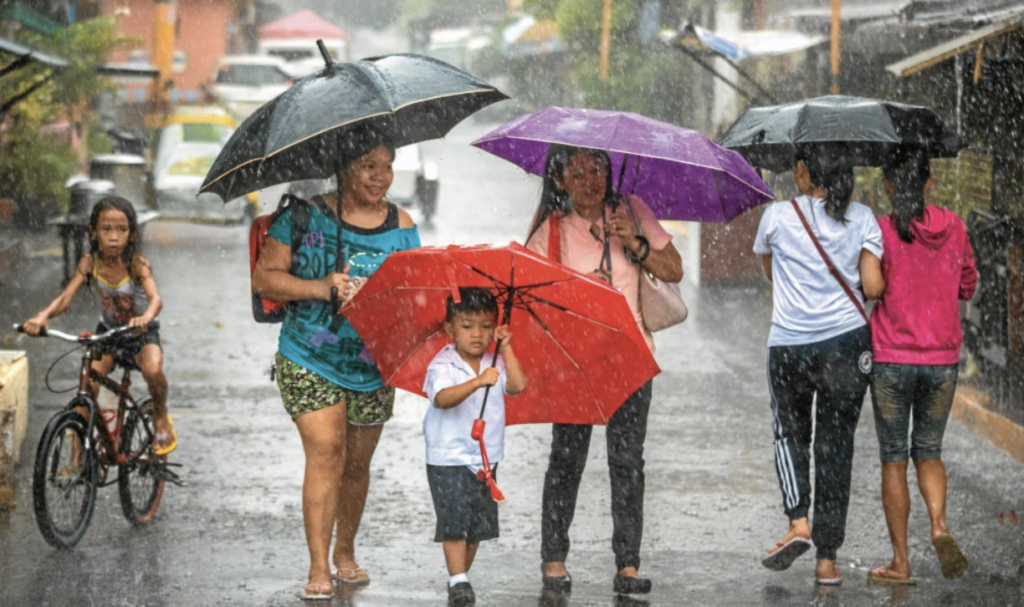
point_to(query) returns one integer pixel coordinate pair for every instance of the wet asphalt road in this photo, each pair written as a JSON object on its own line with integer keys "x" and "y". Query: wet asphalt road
{"x": 234, "y": 535}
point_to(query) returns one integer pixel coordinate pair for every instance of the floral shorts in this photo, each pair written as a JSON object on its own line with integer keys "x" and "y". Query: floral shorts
{"x": 304, "y": 391}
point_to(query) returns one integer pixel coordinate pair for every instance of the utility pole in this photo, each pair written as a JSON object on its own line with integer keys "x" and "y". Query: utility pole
{"x": 163, "y": 56}
{"x": 606, "y": 39}
{"x": 835, "y": 45}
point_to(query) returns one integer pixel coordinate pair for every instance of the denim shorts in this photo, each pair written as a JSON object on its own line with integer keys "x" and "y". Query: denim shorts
{"x": 463, "y": 504}
{"x": 900, "y": 392}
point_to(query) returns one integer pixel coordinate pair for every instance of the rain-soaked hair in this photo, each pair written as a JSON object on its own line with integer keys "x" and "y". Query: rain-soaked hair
{"x": 554, "y": 198}
{"x": 131, "y": 249}
{"x": 475, "y": 300}
{"x": 828, "y": 169}
{"x": 907, "y": 169}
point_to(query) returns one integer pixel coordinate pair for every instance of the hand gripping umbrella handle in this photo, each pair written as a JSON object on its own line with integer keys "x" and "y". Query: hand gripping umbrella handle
{"x": 484, "y": 474}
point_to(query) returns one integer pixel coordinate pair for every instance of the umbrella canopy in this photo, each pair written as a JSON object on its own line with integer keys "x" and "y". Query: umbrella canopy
{"x": 574, "y": 336}
{"x": 865, "y": 129}
{"x": 296, "y": 135}
{"x": 678, "y": 172}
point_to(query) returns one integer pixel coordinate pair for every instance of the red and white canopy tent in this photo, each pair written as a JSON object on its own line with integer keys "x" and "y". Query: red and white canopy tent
{"x": 303, "y": 24}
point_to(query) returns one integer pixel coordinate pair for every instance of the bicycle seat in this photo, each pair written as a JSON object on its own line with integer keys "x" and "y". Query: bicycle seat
{"x": 123, "y": 358}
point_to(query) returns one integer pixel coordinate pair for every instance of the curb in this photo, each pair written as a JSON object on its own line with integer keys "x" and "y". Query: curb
{"x": 969, "y": 409}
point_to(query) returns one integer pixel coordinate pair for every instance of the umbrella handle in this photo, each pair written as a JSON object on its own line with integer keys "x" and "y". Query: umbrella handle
{"x": 334, "y": 300}
{"x": 484, "y": 474}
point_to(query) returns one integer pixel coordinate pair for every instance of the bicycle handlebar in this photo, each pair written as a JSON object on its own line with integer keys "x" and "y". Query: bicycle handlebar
{"x": 88, "y": 338}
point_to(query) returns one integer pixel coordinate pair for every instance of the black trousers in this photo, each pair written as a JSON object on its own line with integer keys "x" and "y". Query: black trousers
{"x": 627, "y": 430}
{"x": 828, "y": 370}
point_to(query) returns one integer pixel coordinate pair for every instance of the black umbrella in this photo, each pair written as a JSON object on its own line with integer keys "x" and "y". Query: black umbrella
{"x": 408, "y": 97}
{"x": 865, "y": 129}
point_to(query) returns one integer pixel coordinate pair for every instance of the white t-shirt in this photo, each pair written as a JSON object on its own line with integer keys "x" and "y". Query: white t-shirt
{"x": 447, "y": 431}
{"x": 809, "y": 304}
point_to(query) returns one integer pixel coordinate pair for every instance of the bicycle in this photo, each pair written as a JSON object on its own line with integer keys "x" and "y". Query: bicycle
{"x": 76, "y": 451}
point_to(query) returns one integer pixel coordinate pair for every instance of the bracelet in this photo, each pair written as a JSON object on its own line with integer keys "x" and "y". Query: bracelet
{"x": 645, "y": 245}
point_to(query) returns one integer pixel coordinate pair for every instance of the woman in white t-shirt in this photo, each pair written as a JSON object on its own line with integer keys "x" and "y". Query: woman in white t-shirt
{"x": 819, "y": 348}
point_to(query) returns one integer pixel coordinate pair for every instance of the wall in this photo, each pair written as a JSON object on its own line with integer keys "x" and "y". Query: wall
{"x": 202, "y": 34}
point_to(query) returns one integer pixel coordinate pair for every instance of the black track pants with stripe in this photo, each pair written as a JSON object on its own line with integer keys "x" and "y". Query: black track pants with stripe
{"x": 826, "y": 372}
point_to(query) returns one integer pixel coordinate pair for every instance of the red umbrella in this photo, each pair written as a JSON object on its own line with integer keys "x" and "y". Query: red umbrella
{"x": 574, "y": 336}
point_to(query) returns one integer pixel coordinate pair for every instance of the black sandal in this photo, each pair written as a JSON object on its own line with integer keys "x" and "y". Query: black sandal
{"x": 631, "y": 585}
{"x": 560, "y": 584}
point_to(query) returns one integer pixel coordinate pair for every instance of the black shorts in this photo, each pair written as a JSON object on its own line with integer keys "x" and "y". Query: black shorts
{"x": 464, "y": 506}
{"x": 129, "y": 345}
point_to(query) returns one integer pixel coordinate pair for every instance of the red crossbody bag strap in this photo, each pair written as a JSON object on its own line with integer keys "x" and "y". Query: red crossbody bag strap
{"x": 828, "y": 262}
{"x": 554, "y": 239}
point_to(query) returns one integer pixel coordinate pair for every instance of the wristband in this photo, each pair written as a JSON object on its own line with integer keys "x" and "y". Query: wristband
{"x": 645, "y": 245}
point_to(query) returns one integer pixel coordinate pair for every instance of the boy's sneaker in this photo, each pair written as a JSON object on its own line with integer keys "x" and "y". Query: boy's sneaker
{"x": 461, "y": 595}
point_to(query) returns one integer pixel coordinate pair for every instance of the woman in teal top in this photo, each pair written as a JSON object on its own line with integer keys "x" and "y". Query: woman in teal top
{"x": 328, "y": 381}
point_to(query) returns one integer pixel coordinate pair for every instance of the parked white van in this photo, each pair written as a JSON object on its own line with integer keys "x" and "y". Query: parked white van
{"x": 301, "y": 55}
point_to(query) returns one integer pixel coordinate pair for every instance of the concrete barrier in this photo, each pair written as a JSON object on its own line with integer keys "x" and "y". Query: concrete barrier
{"x": 971, "y": 409}
{"x": 13, "y": 417}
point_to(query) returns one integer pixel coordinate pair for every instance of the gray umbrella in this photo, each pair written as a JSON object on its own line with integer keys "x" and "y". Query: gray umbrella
{"x": 865, "y": 129}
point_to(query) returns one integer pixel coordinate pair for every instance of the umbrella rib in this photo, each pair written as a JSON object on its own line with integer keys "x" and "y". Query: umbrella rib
{"x": 413, "y": 353}
{"x": 566, "y": 353}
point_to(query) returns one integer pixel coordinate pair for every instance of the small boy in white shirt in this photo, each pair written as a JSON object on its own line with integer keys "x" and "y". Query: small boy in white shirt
{"x": 455, "y": 383}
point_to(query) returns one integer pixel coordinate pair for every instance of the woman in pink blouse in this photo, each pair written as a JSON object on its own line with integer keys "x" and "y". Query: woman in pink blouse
{"x": 582, "y": 223}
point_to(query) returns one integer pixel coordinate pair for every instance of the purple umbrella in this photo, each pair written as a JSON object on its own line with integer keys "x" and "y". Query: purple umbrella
{"x": 678, "y": 172}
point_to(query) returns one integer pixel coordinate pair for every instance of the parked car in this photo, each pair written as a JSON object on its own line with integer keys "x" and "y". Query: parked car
{"x": 415, "y": 184}
{"x": 189, "y": 141}
{"x": 242, "y": 83}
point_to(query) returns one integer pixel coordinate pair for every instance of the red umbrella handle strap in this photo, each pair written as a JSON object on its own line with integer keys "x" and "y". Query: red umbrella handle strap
{"x": 485, "y": 474}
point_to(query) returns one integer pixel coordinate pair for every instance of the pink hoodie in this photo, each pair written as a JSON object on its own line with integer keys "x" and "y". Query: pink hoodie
{"x": 917, "y": 322}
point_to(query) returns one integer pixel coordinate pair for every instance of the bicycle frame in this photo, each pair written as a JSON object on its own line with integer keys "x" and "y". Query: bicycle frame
{"x": 111, "y": 437}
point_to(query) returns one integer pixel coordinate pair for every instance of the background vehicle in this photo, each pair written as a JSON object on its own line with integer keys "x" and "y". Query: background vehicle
{"x": 242, "y": 83}
{"x": 189, "y": 141}
{"x": 416, "y": 182}
{"x": 301, "y": 55}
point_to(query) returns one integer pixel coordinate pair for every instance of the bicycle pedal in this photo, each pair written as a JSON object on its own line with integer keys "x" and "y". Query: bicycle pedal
{"x": 170, "y": 477}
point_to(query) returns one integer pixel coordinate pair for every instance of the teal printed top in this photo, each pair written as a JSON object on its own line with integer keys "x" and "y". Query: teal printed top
{"x": 307, "y": 336}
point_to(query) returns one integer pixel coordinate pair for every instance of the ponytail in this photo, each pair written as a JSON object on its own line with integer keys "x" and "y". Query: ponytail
{"x": 828, "y": 169}
{"x": 908, "y": 170}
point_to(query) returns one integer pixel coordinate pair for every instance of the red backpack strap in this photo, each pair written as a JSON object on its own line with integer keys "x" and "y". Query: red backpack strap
{"x": 554, "y": 239}
{"x": 828, "y": 262}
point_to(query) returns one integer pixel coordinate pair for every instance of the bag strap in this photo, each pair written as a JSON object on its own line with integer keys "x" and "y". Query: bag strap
{"x": 554, "y": 239}
{"x": 300, "y": 221}
{"x": 828, "y": 262}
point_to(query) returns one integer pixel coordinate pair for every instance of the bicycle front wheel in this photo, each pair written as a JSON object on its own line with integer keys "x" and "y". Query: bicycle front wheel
{"x": 64, "y": 481}
{"x": 139, "y": 478}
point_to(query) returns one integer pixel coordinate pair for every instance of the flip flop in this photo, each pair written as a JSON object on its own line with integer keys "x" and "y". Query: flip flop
{"x": 829, "y": 581}
{"x": 881, "y": 575}
{"x": 952, "y": 560}
{"x": 781, "y": 559}
{"x": 307, "y": 595}
{"x": 161, "y": 436}
{"x": 356, "y": 576}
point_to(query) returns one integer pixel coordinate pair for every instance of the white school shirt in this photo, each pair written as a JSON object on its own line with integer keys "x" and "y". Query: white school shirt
{"x": 809, "y": 305}
{"x": 447, "y": 431}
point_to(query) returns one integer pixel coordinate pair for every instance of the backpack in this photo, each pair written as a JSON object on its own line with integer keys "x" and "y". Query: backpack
{"x": 267, "y": 310}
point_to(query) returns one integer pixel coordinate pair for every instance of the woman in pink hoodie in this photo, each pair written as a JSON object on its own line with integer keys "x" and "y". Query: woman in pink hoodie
{"x": 928, "y": 268}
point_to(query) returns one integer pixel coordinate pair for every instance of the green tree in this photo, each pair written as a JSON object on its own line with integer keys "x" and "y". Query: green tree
{"x": 33, "y": 165}
{"x": 643, "y": 75}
